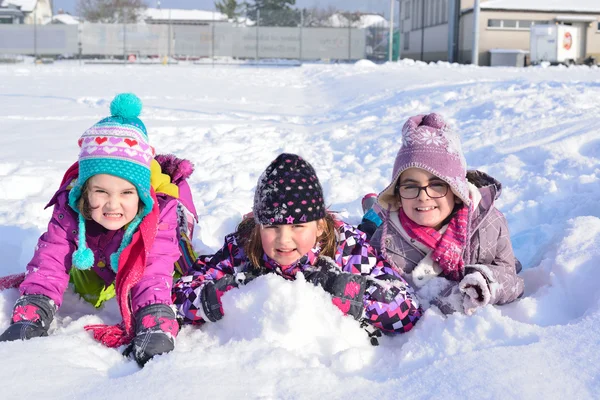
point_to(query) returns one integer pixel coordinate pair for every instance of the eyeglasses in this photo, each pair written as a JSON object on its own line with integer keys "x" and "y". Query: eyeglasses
{"x": 434, "y": 190}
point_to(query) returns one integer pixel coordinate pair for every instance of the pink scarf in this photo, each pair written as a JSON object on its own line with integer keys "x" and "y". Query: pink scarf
{"x": 447, "y": 248}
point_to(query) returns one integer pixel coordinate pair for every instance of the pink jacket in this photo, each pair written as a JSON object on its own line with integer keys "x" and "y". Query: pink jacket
{"x": 48, "y": 271}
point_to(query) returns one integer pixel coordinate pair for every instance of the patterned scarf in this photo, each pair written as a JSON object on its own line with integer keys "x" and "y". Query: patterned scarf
{"x": 289, "y": 271}
{"x": 448, "y": 247}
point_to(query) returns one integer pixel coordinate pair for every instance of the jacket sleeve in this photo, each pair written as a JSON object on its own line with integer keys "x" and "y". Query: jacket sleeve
{"x": 212, "y": 274}
{"x": 156, "y": 282}
{"x": 389, "y": 302}
{"x": 500, "y": 274}
{"x": 47, "y": 272}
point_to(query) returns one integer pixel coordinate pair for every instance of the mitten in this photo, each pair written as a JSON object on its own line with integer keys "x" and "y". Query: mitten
{"x": 155, "y": 331}
{"x": 210, "y": 296}
{"x": 476, "y": 291}
{"x": 347, "y": 289}
{"x": 31, "y": 318}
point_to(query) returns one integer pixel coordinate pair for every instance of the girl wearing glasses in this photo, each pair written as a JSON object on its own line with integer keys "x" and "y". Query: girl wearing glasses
{"x": 439, "y": 224}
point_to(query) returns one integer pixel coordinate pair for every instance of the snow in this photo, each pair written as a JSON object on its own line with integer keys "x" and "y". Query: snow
{"x": 66, "y": 19}
{"x": 544, "y": 5}
{"x": 24, "y": 5}
{"x": 364, "y": 21}
{"x": 534, "y": 129}
{"x": 183, "y": 15}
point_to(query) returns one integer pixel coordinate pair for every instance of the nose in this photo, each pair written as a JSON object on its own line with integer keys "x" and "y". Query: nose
{"x": 111, "y": 203}
{"x": 285, "y": 234}
{"x": 423, "y": 196}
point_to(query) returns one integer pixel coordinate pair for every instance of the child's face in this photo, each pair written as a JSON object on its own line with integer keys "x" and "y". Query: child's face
{"x": 424, "y": 210}
{"x": 114, "y": 201}
{"x": 286, "y": 244}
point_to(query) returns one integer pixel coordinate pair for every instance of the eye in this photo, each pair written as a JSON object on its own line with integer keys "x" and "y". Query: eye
{"x": 298, "y": 226}
{"x": 269, "y": 226}
{"x": 437, "y": 185}
{"x": 129, "y": 192}
{"x": 409, "y": 187}
{"x": 99, "y": 191}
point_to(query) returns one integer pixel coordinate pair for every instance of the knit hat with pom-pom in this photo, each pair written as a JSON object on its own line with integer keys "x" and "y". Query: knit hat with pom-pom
{"x": 117, "y": 145}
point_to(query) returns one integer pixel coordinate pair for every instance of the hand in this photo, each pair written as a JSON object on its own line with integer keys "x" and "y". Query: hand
{"x": 155, "y": 332}
{"x": 31, "y": 318}
{"x": 476, "y": 292}
{"x": 212, "y": 291}
{"x": 347, "y": 289}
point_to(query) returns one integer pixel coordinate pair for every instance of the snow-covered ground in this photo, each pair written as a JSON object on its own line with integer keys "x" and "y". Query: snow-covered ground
{"x": 537, "y": 130}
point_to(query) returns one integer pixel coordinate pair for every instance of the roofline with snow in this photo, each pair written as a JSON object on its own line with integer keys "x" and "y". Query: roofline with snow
{"x": 470, "y": 10}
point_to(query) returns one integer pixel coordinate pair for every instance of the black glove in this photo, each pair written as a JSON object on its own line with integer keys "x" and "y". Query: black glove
{"x": 347, "y": 289}
{"x": 31, "y": 318}
{"x": 209, "y": 297}
{"x": 155, "y": 331}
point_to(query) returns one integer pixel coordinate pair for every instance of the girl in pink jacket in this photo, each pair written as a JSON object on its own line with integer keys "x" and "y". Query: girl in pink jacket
{"x": 113, "y": 232}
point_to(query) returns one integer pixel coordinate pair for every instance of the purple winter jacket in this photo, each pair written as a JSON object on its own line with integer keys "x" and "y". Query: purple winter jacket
{"x": 48, "y": 271}
{"x": 490, "y": 250}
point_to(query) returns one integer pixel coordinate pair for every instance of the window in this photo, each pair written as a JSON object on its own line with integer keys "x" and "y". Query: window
{"x": 494, "y": 23}
{"x": 524, "y": 23}
{"x": 598, "y": 26}
{"x": 406, "y": 40}
{"x": 406, "y": 5}
{"x": 510, "y": 24}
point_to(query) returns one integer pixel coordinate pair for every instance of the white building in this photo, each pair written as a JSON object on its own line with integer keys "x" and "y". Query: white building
{"x": 503, "y": 24}
{"x": 25, "y": 11}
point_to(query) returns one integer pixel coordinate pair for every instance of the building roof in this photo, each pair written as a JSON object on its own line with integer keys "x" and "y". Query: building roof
{"x": 66, "y": 19}
{"x": 365, "y": 20}
{"x": 23, "y": 5}
{"x": 591, "y": 6}
{"x": 173, "y": 14}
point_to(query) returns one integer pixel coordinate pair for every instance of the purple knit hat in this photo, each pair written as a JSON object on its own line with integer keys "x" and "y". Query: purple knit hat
{"x": 429, "y": 143}
{"x": 288, "y": 192}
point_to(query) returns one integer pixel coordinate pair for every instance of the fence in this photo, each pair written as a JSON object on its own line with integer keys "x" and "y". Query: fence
{"x": 184, "y": 41}
{"x": 307, "y": 34}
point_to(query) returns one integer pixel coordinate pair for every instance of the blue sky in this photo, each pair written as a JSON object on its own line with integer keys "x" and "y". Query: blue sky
{"x": 378, "y": 6}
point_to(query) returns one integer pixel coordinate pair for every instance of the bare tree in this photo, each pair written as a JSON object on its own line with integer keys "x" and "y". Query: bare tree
{"x": 111, "y": 11}
{"x": 316, "y": 16}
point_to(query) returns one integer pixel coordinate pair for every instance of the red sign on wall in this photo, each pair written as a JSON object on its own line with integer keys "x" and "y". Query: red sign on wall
{"x": 568, "y": 41}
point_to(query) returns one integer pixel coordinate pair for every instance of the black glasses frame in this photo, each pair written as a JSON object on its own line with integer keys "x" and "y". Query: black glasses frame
{"x": 419, "y": 191}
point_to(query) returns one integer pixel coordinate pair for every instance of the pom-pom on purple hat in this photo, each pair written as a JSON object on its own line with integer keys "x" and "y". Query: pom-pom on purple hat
{"x": 288, "y": 192}
{"x": 428, "y": 143}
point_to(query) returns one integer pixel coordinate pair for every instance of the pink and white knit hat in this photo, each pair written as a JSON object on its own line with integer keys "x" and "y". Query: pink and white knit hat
{"x": 428, "y": 143}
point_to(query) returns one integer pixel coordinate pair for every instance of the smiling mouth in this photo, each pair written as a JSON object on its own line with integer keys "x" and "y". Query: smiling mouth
{"x": 285, "y": 251}
{"x": 425, "y": 208}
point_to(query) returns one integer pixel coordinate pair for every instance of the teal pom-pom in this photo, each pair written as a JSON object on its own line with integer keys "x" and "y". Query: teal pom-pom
{"x": 126, "y": 105}
{"x": 83, "y": 258}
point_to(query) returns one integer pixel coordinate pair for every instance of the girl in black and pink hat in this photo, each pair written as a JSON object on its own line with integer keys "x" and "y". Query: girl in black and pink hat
{"x": 291, "y": 232}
